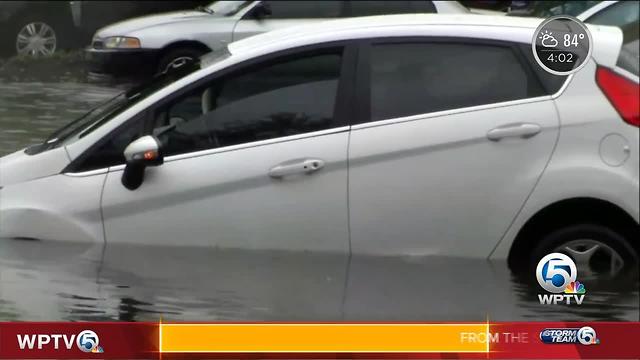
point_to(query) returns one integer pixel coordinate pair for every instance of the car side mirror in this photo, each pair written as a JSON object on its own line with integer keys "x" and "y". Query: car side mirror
{"x": 262, "y": 10}
{"x": 143, "y": 152}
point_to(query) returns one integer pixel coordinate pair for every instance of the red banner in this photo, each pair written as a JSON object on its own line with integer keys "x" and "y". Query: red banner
{"x": 119, "y": 340}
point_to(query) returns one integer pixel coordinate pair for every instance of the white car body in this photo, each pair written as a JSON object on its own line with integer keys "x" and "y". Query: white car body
{"x": 426, "y": 184}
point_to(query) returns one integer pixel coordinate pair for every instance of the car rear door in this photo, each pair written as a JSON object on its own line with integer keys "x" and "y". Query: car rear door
{"x": 452, "y": 136}
{"x": 285, "y": 14}
{"x": 255, "y": 158}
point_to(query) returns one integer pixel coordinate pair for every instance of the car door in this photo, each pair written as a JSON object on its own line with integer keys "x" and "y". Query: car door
{"x": 255, "y": 158}
{"x": 453, "y": 136}
{"x": 285, "y": 14}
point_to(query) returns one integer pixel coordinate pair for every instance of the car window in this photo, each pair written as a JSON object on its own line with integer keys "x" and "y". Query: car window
{"x": 416, "y": 78}
{"x": 305, "y": 9}
{"x": 620, "y": 14}
{"x": 370, "y": 8}
{"x": 280, "y": 98}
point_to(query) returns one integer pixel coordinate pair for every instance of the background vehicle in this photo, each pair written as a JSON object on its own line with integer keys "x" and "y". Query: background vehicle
{"x": 150, "y": 44}
{"x": 454, "y": 141}
{"x": 612, "y": 13}
{"x": 39, "y": 28}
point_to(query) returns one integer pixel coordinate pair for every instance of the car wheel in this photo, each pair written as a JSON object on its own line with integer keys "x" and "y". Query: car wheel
{"x": 598, "y": 251}
{"x": 35, "y": 36}
{"x": 178, "y": 57}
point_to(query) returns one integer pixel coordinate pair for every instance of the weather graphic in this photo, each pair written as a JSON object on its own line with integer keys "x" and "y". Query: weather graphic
{"x": 548, "y": 40}
{"x": 575, "y": 287}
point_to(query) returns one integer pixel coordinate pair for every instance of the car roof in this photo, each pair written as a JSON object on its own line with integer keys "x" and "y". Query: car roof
{"x": 373, "y": 25}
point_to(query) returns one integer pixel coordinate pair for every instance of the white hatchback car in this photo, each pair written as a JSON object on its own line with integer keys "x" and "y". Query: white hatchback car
{"x": 406, "y": 135}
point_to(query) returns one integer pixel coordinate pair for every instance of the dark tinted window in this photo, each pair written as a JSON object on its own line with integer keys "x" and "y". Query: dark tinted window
{"x": 415, "y": 78}
{"x": 281, "y": 98}
{"x": 550, "y": 82}
{"x": 305, "y": 9}
{"x": 370, "y": 8}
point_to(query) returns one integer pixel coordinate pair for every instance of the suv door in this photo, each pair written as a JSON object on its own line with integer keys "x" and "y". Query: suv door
{"x": 255, "y": 158}
{"x": 453, "y": 137}
{"x": 285, "y": 14}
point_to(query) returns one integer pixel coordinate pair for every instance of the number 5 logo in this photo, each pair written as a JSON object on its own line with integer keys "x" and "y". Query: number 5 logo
{"x": 552, "y": 272}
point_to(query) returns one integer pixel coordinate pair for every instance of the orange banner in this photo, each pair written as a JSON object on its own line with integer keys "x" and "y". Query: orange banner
{"x": 323, "y": 337}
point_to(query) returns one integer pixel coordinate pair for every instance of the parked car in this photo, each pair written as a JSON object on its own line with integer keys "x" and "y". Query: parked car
{"x": 39, "y": 28}
{"x": 151, "y": 44}
{"x": 406, "y": 135}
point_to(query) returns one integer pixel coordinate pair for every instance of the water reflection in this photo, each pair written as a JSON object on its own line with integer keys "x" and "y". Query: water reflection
{"x": 57, "y": 281}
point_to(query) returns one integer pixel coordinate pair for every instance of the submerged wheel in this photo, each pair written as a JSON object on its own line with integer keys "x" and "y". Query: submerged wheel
{"x": 598, "y": 251}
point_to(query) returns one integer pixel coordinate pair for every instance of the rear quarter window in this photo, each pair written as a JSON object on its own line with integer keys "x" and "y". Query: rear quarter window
{"x": 415, "y": 78}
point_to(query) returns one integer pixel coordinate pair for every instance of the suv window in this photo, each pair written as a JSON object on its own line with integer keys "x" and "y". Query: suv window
{"x": 370, "y": 8}
{"x": 416, "y": 78}
{"x": 305, "y": 9}
{"x": 620, "y": 14}
{"x": 283, "y": 97}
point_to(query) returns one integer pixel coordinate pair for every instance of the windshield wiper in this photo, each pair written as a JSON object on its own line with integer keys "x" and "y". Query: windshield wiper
{"x": 54, "y": 136}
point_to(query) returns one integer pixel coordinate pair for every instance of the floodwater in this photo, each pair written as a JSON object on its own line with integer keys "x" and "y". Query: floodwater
{"x": 43, "y": 280}
{"x": 29, "y": 112}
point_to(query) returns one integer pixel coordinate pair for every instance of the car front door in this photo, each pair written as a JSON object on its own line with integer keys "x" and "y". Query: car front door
{"x": 282, "y": 14}
{"x": 255, "y": 158}
{"x": 452, "y": 139}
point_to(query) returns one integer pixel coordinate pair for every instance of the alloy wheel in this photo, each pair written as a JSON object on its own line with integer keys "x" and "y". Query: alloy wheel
{"x": 36, "y": 39}
{"x": 178, "y": 62}
{"x": 592, "y": 257}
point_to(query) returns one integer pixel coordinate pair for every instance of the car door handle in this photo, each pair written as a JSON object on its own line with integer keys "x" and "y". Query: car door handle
{"x": 524, "y": 131}
{"x": 297, "y": 166}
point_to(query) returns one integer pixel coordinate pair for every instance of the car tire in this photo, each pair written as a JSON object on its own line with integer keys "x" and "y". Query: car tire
{"x": 178, "y": 57}
{"x": 598, "y": 251}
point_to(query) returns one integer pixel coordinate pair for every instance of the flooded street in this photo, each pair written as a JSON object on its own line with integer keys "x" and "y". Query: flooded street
{"x": 44, "y": 280}
{"x": 29, "y": 112}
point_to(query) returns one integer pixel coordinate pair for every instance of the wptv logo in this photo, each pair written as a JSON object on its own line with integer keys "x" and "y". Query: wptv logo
{"x": 87, "y": 341}
{"x": 557, "y": 273}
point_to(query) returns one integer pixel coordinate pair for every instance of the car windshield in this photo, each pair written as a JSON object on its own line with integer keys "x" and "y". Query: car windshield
{"x": 123, "y": 101}
{"x": 227, "y": 8}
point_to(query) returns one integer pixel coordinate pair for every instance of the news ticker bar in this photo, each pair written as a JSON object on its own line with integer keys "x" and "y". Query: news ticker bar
{"x": 322, "y": 338}
{"x": 120, "y": 340}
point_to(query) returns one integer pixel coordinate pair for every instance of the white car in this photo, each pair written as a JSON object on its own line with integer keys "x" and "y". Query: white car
{"x": 151, "y": 44}
{"x": 407, "y": 135}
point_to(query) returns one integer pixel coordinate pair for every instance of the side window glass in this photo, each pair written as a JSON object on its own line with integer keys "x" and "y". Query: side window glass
{"x": 370, "y": 8}
{"x": 282, "y": 9}
{"x": 416, "y": 78}
{"x": 280, "y": 98}
{"x": 111, "y": 152}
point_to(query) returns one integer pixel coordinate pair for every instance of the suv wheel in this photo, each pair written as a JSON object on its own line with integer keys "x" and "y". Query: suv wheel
{"x": 598, "y": 251}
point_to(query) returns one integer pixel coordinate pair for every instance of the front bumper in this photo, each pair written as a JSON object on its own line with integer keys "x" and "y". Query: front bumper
{"x": 119, "y": 63}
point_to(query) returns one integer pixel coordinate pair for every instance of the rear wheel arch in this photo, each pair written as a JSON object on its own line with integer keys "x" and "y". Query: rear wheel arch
{"x": 566, "y": 213}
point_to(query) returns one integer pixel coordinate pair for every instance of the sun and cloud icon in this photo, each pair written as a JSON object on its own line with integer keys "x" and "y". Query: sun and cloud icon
{"x": 548, "y": 40}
